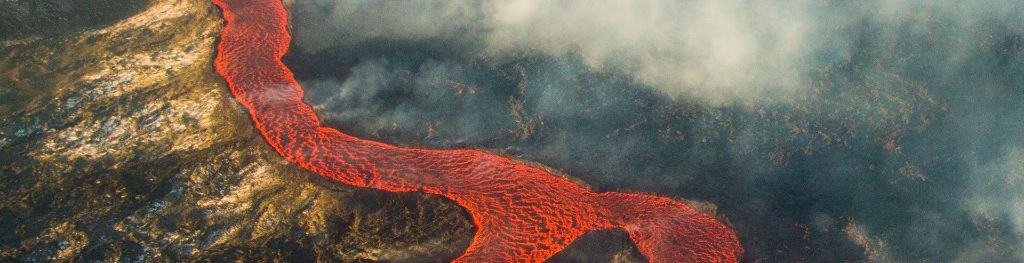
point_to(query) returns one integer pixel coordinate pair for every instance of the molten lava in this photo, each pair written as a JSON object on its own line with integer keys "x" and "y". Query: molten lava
{"x": 522, "y": 213}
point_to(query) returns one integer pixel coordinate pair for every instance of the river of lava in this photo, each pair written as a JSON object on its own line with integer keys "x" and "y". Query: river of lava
{"x": 522, "y": 213}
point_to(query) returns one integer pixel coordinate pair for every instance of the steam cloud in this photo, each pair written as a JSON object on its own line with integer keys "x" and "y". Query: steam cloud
{"x": 719, "y": 51}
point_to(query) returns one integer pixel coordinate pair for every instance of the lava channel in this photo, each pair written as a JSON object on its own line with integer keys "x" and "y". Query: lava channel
{"x": 522, "y": 213}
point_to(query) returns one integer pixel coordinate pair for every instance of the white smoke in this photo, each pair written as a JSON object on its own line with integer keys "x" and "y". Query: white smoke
{"x": 714, "y": 50}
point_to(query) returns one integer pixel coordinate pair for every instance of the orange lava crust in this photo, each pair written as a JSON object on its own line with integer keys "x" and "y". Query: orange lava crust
{"x": 522, "y": 213}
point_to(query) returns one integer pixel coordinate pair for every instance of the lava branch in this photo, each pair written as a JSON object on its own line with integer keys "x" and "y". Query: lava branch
{"x": 522, "y": 213}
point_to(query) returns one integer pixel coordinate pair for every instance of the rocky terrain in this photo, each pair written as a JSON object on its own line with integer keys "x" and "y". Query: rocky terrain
{"x": 120, "y": 143}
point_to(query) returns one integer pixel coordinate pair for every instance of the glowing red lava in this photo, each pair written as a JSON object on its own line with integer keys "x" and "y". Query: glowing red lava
{"x": 522, "y": 213}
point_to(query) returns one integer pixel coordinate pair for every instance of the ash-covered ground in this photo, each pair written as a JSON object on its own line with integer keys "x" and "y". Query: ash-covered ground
{"x": 875, "y": 131}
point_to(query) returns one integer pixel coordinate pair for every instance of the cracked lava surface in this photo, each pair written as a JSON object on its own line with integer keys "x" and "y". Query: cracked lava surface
{"x": 522, "y": 213}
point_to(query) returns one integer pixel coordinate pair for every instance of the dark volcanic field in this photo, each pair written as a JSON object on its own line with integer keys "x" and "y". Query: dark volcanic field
{"x": 907, "y": 148}
{"x": 55, "y": 17}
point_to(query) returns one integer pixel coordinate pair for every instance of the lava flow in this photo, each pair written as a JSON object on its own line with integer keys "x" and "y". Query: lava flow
{"x": 522, "y": 213}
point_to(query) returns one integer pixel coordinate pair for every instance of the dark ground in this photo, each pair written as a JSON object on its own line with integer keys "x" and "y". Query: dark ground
{"x": 906, "y": 150}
